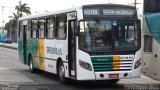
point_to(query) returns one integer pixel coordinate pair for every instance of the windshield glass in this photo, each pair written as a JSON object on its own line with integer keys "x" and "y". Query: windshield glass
{"x": 108, "y": 35}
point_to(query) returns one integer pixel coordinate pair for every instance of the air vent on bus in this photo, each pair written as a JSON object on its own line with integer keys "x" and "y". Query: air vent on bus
{"x": 111, "y": 65}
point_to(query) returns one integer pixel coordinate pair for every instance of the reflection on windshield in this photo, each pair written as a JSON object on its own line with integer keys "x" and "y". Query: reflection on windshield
{"x": 108, "y": 35}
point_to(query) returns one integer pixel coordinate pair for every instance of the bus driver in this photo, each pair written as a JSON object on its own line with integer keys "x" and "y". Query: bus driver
{"x": 98, "y": 36}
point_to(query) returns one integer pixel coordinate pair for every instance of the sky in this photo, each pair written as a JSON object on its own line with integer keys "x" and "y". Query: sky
{"x": 41, "y": 6}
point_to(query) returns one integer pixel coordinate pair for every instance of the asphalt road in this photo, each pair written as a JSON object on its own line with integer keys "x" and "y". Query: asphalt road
{"x": 13, "y": 73}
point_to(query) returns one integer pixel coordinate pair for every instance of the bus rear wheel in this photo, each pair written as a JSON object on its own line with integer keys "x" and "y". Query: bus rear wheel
{"x": 61, "y": 72}
{"x": 31, "y": 65}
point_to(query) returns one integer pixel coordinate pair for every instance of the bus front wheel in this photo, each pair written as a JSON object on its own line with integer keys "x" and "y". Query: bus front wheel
{"x": 31, "y": 65}
{"x": 61, "y": 73}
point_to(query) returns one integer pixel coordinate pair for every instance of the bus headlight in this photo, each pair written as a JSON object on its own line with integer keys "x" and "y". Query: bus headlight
{"x": 85, "y": 65}
{"x": 137, "y": 64}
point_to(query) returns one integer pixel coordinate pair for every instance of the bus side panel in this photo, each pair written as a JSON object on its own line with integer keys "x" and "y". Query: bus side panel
{"x": 151, "y": 44}
{"x": 136, "y": 72}
{"x": 35, "y": 47}
{"x": 151, "y": 62}
{"x": 20, "y": 48}
{"x": 50, "y": 60}
{"x": 83, "y": 74}
{"x": 29, "y": 49}
{"x": 54, "y": 50}
{"x": 35, "y": 52}
{"x": 40, "y": 61}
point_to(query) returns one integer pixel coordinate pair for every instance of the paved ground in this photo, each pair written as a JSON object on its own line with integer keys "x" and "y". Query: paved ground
{"x": 13, "y": 72}
{"x": 9, "y": 75}
{"x": 142, "y": 80}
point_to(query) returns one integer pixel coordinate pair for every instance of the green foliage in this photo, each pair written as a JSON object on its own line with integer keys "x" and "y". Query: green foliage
{"x": 21, "y": 10}
{"x": 11, "y": 25}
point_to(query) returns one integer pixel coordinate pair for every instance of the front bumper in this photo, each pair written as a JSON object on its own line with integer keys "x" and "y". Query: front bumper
{"x": 105, "y": 75}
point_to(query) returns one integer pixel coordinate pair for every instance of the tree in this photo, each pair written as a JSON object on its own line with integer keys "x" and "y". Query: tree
{"x": 11, "y": 27}
{"x": 8, "y": 25}
{"x": 21, "y": 10}
{"x": 15, "y": 16}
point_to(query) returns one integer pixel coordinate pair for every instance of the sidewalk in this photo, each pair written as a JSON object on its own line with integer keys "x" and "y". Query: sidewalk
{"x": 7, "y": 45}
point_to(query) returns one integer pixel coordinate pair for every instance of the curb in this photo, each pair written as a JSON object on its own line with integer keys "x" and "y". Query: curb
{"x": 10, "y": 47}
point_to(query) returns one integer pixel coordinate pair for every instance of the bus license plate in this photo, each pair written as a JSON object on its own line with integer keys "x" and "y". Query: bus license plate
{"x": 113, "y": 75}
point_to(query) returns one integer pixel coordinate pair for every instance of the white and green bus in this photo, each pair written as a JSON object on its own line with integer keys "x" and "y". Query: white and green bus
{"x": 91, "y": 42}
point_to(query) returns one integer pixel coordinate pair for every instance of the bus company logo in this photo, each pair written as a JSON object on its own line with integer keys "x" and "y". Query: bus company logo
{"x": 103, "y": 59}
{"x": 127, "y": 58}
{"x": 54, "y": 50}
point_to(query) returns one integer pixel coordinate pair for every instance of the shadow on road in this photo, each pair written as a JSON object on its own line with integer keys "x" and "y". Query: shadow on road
{"x": 93, "y": 85}
{"x": 48, "y": 81}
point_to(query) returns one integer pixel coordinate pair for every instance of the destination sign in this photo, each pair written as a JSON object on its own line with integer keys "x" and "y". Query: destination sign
{"x": 71, "y": 15}
{"x": 91, "y": 12}
{"x": 118, "y": 12}
{"x": 110, "y": 12}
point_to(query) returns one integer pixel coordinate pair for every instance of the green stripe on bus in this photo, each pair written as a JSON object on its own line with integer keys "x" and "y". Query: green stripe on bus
{"x": 102, "y": 63}
{"x": 103, "y": 69}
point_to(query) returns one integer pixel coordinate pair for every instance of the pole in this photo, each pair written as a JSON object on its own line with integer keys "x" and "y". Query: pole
{"x": 135, "y": 3}
{"x": 2, "y": 21}
{"x": 10, "y": 30}
{"x": 2, "y": 32}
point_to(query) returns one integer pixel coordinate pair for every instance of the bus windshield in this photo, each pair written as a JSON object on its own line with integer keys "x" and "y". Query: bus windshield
{"x": 101, "y": 35}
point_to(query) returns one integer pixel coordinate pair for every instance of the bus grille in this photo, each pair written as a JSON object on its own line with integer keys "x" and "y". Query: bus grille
{"x": 111, "y": 64}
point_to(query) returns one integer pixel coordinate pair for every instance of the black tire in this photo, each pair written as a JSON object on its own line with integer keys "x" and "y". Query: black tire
{"x": 61, "y": 73}
{"x": 31, "y": 65}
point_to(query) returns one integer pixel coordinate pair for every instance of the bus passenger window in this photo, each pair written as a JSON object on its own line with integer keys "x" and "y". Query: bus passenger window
{"x": 34, "y": 28}
{"x": 29, "y": 29}
{"x": 41, "y": 28}
{"x": 61, "y": 32}
{"x": 50, "y": 28}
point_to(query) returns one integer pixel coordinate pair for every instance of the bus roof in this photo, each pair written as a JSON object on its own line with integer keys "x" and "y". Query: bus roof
{"x": 48, "y": 14}
{"x": 73, "y": 9}
{"x": 109, "y": 5}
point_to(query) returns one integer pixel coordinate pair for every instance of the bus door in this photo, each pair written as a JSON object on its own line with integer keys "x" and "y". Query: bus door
{"x": 24, "y": 41}
{"x": 71, "y": 47}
